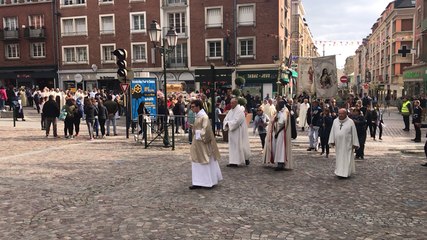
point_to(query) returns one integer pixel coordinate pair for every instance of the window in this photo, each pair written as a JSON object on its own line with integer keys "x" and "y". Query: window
{"x": 177, "y": 1}
{"x": 246, "y": 47}
{"x": 407, "y": 24}
{"x": 177, "y": 20}
{"x": 137, "y": 23}
{"x": 213, "y": 17}
{"x": 74, "y": 26}
{"x": 214, "y": 48}
{"x": 106, "y": 55}
{"x": 2, "y": 2}
{"x": 36, "y": 21}
{"x": 106, "y": 24}
{"x": 10, "y": 22}
{"x": 73, "y": 2}
{"x": 12, "y": 51}
{"x": 106, "y": 1}
{"x": 246, "y": 15}
{"x": 178, "y": 58}
{"x": 139, "y": 52}
{"x": 38, "y": 50}
{"x": 75, "y": 54}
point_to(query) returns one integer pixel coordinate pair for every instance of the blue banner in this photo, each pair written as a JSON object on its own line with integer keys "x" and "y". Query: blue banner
{"x": 143, "y": 90}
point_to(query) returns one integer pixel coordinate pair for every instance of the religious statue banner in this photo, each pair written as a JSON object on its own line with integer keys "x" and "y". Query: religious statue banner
{"x": 325, "y": 77}
{"x": 143, "y": 90}
{"x": 305, "y": 76}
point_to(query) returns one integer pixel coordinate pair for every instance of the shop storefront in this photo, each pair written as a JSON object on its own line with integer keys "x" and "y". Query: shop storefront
{"x": 223, "y": 79}
{"x": 260, "y": 82}
{"x": 414, "y": 80}
{"x": 72, "y": 81}
{"x": 30, "y": 77}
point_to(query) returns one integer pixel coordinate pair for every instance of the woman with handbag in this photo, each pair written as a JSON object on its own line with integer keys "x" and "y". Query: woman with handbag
{"x": 416, "y": 120}
{"x": 71, "y": 109}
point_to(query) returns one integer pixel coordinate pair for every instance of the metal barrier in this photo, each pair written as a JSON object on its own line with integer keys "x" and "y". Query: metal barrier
{"x": 152, "y": 130}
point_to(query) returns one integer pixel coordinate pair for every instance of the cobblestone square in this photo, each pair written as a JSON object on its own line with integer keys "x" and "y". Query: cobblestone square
{"x": 113, "y": 188}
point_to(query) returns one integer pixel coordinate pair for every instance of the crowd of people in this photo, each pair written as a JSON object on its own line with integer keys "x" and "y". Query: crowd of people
{"x": 97, "y": 107}
{"x": 344, "y": 126}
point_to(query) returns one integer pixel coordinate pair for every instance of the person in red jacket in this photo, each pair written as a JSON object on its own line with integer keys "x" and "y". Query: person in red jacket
{"x": 3, "y": 98}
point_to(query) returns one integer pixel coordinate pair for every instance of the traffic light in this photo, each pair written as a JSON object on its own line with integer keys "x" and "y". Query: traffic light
{"x": 121, "y": 55}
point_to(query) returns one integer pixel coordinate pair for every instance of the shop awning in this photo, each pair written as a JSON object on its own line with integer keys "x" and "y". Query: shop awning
{"x": 294, "y": 74}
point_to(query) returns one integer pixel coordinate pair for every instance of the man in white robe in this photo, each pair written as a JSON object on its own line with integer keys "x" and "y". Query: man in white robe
{"x": 344, "y": 137}
{"x": 204, "y": 151}
{"x": 303, "y": 114}
{"x": 282, "y": 136}
{"x": 238, "y": 139}
{"x": 269, "y": 108}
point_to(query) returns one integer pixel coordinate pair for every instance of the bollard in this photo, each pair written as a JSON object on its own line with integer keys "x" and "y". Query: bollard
{"x": 173, "y": 134}
{"x": 144, "y": 133}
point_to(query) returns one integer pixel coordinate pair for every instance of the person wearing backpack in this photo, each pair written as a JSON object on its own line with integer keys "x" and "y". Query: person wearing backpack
{"x": 78, "y": 116}
{"x": 71, "y": 109}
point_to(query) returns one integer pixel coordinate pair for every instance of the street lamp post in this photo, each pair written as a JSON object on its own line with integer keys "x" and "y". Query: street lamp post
{"x": 166, "y": 46}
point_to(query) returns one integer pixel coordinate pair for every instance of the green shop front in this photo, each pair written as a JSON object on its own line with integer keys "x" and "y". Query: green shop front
{"x": 414, "y": 80}
{"x": 260, "y": 82}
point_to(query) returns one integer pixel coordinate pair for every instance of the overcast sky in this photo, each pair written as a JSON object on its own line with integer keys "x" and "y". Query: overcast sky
{"x": 341, "y": 23}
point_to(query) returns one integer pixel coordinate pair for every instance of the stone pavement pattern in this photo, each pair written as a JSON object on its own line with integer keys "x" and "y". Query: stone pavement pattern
{"x": 115, "y": 189}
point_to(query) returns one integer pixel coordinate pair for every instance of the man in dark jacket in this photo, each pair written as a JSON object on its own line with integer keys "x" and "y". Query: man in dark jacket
{"x": 313, "y": 119}
{"x": 112, "y": 108}
{"x": 51, "y": 113}
{"x": 179, "y": 113}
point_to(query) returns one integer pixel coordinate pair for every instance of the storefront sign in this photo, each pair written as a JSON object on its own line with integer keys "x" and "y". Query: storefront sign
{"x": 263, "y": 76}
{"x": 23, "y": 75}
{"x": 412, "y": 75}
{"x": 222, "y": 75}
{"x": 143, "y": 90}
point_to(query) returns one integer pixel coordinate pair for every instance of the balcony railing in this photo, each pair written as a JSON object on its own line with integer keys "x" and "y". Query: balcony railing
{"x": 39, "y": 33}
{"x": 7, "y": 34}
{"x": 174, "y": 3}
{"x": 397, "y": 58}
{"x": 181, "y": 31}
{"x": 177, "y": 62}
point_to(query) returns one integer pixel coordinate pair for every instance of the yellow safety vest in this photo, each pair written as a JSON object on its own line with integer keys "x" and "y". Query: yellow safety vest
{"x": 405, "y": 108}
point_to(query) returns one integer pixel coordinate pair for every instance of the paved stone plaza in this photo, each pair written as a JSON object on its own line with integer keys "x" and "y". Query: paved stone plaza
{"x": 115, "y": 189}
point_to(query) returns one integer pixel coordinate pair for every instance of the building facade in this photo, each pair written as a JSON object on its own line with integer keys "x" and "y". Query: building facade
{"x": 240, "y": 37}
{"x": 415, "y": 76}
{"x": 27, "y": 44}
{"x": 392, "y": 34}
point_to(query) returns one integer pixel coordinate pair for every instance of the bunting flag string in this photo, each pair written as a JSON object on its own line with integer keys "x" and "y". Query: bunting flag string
{"x": 376, "y": 40}
{"x": 359, "y": 42}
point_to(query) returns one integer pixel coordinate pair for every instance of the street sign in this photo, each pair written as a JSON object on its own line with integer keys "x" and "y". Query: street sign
{"x": 344, "y": 79}
{"x": 124, "y": 87}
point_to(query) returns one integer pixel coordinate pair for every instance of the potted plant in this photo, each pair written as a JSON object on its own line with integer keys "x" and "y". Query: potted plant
{"x": 240, "y": 81}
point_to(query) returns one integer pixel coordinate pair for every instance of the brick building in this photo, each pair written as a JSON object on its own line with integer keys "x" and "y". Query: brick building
{"x": 241, "y": 37}
{"x": 27, "y": 43}
{"x": 415, "y": 76}
{"x": 393, "y": 31}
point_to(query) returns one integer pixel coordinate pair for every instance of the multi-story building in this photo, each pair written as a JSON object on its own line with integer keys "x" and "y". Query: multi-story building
{"x": 361, "y": 75}
{"x": 415, "y": 76}
{"x": 27, "y": 43}
{"x": 241, "y": 37}
{"x": 302, "y": 43}
{"x": 391, "y": 34}
{"x": 245, "y": 36}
